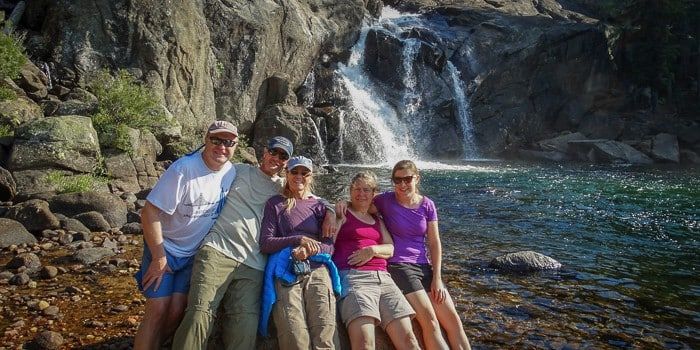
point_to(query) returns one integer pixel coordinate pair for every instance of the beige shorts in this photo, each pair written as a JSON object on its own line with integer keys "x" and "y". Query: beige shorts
{"x": 372, "y": 294}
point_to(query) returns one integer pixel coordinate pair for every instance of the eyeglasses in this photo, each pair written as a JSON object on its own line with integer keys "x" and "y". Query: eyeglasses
{"x": 282, "y": 155}
{"x": 304, "y": 174}
{"x": 218, "y": 142}
{"x": 406, "y": 179}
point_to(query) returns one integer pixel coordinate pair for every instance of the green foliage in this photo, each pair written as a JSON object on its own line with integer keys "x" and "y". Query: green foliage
{"x": 12, "y": 56}
{"x": 656, "y": 41}
{"x": 6, "y": 130}
{"x": 76, "y": 183}
{"x": 243, "y": 144}
{"x": 123, "y": 103}
{"x": 7, "y": 93}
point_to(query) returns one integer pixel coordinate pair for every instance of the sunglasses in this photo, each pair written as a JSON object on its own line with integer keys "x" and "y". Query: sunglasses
{"x": 282, "y": 155}
{"x": 406, "y": 179}
{"x": 218, "y": 142}
{"x": 303, "y": 173}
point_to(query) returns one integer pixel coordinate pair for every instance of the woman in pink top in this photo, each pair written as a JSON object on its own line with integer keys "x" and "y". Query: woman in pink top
{"x": 416, "y": 266}
{"x": 370, "y": 296}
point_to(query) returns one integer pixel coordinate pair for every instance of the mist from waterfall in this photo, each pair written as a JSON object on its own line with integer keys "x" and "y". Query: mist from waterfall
{"x": 400, "y": 129}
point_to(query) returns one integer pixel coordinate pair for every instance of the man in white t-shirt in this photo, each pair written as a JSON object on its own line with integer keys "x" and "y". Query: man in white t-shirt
{"x": 179, "y": 212}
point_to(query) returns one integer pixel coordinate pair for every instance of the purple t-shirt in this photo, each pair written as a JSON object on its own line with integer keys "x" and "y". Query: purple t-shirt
{"x": 408, "y": 227}
{"x": 281, "y": 228}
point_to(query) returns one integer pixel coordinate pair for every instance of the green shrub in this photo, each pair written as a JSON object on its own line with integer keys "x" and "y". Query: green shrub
{"x": 7, "y": 93}
{"x": 123, "y": 103}
{"x": 12, "y": 56}
{"x": 75, "y": 183}
{"x": 6, "y": 130}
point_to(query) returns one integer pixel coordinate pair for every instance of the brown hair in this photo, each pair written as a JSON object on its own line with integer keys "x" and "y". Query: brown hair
{"x": 405, "y": 165}
{"x": 367, "y": 177}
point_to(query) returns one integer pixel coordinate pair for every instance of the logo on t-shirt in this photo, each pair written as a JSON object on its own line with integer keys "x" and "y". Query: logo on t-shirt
{"x": 202, "y": 207}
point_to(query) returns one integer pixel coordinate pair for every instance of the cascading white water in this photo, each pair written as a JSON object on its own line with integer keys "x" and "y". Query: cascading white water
{"x": 324, "y": 159}
{"x": 396, "y": 127}
{"x": 463, "y": 113}
{"x": 369, "y": 105}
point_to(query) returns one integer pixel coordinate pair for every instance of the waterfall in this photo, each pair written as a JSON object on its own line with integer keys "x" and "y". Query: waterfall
{"x": 322, "y": 149}
{"x": 47, "y": 71}
{"x": 309, "y": 88}
{"x": 369, "y": 105}
{"x": 411, "y": 126}
{"x": 463, "y": 113}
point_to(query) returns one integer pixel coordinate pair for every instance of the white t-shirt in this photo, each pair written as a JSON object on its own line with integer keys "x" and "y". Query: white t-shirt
{"x": 190, "y": 197}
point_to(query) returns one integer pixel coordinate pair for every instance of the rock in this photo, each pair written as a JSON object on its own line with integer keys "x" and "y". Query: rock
{"x": 664, "y": 148}
{"x": 524, "y": 261}
{"x": 42, "y": 304}
{"x": 689, "y": 157}
{"x": 120, "y": 308}
{"x": 82, "y": 236}
{"x": 33, "y": 81}
{"x": 108, "y": 243}
{"x": 49, "y": 340}
{"x": 93, "y": 221}
{"x": 133, "y": 228}
{"x": 90, "y": 256}
{"x": 33, "y": 184}
{"x": 28, "y": 260}
{"x": 6, "y": 275}
{"x": 65, "y": 238}
{"x": 560, "y": 143}
{"x": 48, "y": 272}
{"x": 19, "y": 279}
{"x": 13, "y": 233}
{"x": 34, "y": 214}
{"x": 607, "y": 151}
{"x": 8, "y": 188}
{"x": 75, "y": 107}
{"x": 51, "y": 311}
{"x": 110, "y": 206}
{"x": 602, "y": 126}
{"x": 70, "y": 224}
{"x": 551, "y": 156}
{"x": 66, "y": 142}
{"x": 132, "y": 217}
{"x": 19, "y": 111}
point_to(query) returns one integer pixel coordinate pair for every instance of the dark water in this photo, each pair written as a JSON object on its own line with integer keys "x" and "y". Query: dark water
{"x": 628, "y": 239}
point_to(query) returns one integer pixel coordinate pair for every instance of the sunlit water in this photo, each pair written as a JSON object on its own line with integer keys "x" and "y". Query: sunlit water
{"x": 627, "y": 238}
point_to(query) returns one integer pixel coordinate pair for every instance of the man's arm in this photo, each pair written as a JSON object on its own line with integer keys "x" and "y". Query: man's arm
{"x": 153, "y": 235}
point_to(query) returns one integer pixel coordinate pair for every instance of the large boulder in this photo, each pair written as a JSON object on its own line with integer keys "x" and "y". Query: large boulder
{"x": 109, "y": 205}
{"x": 34, "y": 214}
{"x": 94, "y": 221}
{"x": 12, "y": 232}
{"x": 33, "y": 184}
{"x": 18, "y": 111}
{"x": 132, "y": 172}
{"x": 664, "y": 148}
{"x": 524, "y": 261}
{"x": 8, "y": 188}
{"x": 89, "y": 256}
{"x": 607, "y": 151}
{"x": 66, "y": 142}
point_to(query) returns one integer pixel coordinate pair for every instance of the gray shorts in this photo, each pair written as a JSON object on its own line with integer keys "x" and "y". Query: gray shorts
{"x": 372, "y": 294}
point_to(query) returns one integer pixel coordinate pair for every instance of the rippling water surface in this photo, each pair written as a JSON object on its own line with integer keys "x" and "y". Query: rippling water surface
{"x": 627, "y": 238}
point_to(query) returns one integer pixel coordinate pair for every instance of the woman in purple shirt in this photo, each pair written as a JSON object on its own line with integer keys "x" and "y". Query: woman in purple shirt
{"x": 294, "y": 219}
{"x": 416, "y": 266}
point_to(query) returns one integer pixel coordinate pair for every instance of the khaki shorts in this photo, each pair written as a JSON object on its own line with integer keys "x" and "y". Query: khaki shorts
{"x": 372, "y": 294}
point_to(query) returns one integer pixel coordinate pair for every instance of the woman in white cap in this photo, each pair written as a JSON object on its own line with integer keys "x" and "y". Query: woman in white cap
{"x": 293, "y": 221}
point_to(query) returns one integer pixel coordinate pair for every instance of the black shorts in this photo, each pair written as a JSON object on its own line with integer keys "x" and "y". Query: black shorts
{"x": 411, "y": 277}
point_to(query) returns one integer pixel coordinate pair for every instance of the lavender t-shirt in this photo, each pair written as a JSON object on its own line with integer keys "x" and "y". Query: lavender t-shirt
{"x": 408, "y": 227}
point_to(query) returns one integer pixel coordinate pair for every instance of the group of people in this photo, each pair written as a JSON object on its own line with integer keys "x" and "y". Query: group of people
{"x": 256, "y": 242}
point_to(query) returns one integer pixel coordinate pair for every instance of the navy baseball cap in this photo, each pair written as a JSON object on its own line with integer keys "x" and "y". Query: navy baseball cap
{"x": 281, "y": 142}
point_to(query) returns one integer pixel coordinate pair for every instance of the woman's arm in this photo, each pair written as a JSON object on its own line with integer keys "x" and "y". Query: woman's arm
{"x": 385, "y": 250}
{"x": 437, "y": 288}
{"x": 270, "y": 241}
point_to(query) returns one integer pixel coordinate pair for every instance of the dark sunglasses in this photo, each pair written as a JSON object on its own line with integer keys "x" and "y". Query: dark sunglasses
{"x": 282, "y": 155}
{"x": 218, "y": 142}
{"x": 300, "y": 172}
{"x": 405, "y": 179}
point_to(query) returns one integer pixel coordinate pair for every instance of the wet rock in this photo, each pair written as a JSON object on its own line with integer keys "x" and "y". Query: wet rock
{"x": 19, "y": 279}
{"x": 34, "y": 215}
{"x": 112, "y": 208}
{"x": 524, "y": 261}
{"x": 13, "y": 233}
{"x": 665, "y": 148}
{"x": 90, "y": 256}
{"x": 28, "y": 260}
{"x": 49, "y": 340}
{"x": 48, "y": 272}
{"x": 120, "y": 308}
{"x": 8, "y": 188}
{"x": 51, "y": 310}
{"x": 70, "y": 224}
{"x": 133, "y": 228}
{"x": 94, "y": 221}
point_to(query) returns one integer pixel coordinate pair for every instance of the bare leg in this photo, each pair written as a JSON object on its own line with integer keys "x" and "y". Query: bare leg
{"x": 432, "y": 336}
{"x": 151, "y": 332}
{"x": 451, "y": 323}
{"x": 401, "y": 333}
{"x": 361, "y": 333}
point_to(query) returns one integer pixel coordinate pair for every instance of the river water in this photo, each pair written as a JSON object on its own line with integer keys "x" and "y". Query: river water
{"x": 627, "y": 239}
